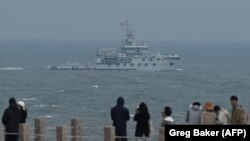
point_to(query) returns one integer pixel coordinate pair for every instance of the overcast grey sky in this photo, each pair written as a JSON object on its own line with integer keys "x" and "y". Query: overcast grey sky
{"x": 178, "y": 20}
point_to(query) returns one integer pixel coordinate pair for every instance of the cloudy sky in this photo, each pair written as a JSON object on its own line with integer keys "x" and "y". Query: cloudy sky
{"x": 169, "y": 20}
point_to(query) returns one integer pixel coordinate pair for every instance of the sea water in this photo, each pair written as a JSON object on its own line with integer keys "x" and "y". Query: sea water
{"x": 208, "y": 71}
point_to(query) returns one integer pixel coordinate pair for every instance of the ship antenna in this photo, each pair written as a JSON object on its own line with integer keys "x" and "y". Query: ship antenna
{"x": 127, "y": 26}
{"x": 122, "y": 33}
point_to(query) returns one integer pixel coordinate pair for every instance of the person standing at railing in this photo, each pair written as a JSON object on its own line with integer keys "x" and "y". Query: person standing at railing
{"x": 167, "y": 116}
{"x": 11, "y": 119}
{"x": 238, "y": 115}
{"x": 193, "y": 116}
{"x": 23, "y": 110}
{"x": 208, "y": 116}
{"x": 120, "y": 116}
{"x": 142, "y": 117}
{"x": 222, "y": 115}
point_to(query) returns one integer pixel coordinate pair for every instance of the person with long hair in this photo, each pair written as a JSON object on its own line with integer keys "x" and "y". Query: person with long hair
{"x": 142, "y": 117}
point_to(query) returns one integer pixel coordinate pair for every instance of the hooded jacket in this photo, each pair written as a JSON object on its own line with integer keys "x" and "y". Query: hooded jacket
{"x": 120, "y": 115}
{"x": 11, "y": 118}
{"x": 193, "y": 116}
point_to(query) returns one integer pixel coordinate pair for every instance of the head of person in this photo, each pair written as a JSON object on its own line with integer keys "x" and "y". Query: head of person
{"x": 196, "y": 106}
{"x": 208, "y": 106}
{"x": 143, "y": 108}
{"x": 12, "y": 100}
{"x": 217, "y": 108}
{"x": 12, "y": 103}
{"x": 196, "y": 103}
{"x": 21, "y": 104}
{"x": 234, "y": 100}
{"x": 120, "y": 101}
{"x": 166, "y": 112}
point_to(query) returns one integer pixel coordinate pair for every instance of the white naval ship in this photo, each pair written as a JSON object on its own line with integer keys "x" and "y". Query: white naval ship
{"x": 130, "y": 56}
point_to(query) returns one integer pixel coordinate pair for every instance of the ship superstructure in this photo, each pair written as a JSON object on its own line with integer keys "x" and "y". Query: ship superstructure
{"x": 132, "y": 56}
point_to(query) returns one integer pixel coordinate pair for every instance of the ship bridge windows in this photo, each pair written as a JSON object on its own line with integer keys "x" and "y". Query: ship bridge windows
{"x": 143, "y": 59}
{"x": 151, "y": 59}
{"x": 126, "y": 60}
{"x": 146, "y": 64}
{"x": 158, "y": 59}
{"x": 171, "y": 64}
{"x": 124, "y": 64}
{"x": 139, "y": 64}
{"x": 110, "y": 60}
{"x": 154, "y": 64}
{"x": 130, "y": 48}
{"x": 132, "y": 64}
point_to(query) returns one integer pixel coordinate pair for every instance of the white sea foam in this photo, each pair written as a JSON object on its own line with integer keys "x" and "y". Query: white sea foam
{"x": 28, "y": 99}
{"x": 59, "y": 91}
{"x": 179, "y": 69}
{"x": 54, "y": 106}
{"x": 11, "y": 68}
{"x": 40, "y": 106}
{"x": 47, "y": 116}
{"x": 94, "y": 86}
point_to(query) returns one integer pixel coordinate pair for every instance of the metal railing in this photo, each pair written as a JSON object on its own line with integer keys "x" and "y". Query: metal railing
{"x": 61, "y": 133}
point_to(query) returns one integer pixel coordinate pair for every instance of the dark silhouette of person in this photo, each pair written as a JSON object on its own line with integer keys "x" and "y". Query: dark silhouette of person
{"x": 120, "y": 116}
{"x": 11, "y": 120}
{"x": 142, "y": 117}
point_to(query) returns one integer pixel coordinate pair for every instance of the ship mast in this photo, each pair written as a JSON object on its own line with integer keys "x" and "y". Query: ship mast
{"x": 128, "y": 40}
{"x": 129, "y": 34}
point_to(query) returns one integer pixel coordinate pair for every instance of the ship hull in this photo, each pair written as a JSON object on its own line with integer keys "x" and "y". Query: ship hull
{"x": 115, "y": 67}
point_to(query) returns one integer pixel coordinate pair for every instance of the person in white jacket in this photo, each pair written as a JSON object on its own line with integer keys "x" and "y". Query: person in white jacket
{"x": 222, "y": 115}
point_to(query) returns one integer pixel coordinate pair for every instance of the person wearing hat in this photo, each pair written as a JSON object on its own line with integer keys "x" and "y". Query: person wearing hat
{"x": 11, "y": 119}
{"x": 208, "y": 116}
{"x": 23, "y": 110}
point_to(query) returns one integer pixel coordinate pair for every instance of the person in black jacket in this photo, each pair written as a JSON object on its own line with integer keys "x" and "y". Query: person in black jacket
{"x": 120, "y": 116}
{"x": 11, "y": 120}
{"x": 142, "y": 117}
